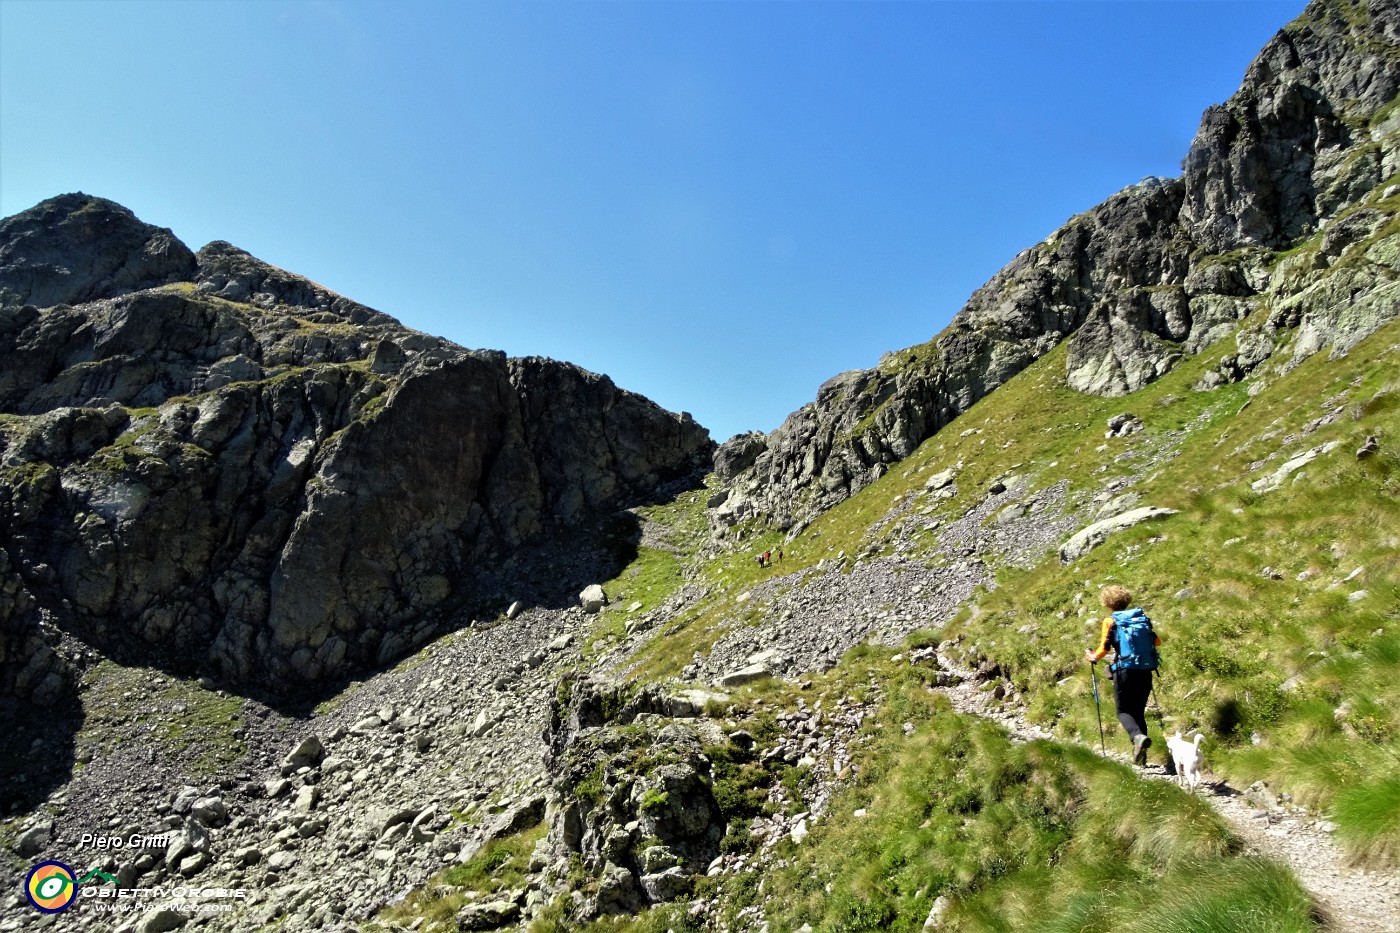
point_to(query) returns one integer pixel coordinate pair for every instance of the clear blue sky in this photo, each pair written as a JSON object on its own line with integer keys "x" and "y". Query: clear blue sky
{"x": 720, "y": 205}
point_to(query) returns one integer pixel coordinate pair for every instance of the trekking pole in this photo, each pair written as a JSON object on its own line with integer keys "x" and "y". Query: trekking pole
{"x": 1093, "y": 675}
{"x": 1161, "y": 716}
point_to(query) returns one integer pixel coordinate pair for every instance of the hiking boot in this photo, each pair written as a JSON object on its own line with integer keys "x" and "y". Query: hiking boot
{"x": 1140, "y": 746}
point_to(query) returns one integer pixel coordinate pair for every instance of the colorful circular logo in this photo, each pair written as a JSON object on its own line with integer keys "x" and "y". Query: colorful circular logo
{"x": 51, "y": 887}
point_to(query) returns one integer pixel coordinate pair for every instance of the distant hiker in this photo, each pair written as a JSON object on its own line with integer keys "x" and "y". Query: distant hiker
{"x": 760, "y": 560}
{"x": 780, "y": 555}
{"x": 767, "y": 558}
{"x": 1128, "y": 633}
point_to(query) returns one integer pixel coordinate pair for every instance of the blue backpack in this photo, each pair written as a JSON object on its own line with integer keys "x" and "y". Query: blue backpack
{"x": 1135, "y": 637}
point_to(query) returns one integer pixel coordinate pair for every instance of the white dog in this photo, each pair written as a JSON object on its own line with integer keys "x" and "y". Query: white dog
{"x": 1187, "y": 756}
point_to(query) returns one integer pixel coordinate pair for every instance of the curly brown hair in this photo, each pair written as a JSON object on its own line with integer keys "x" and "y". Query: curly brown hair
{"x": 1115, "y": 597}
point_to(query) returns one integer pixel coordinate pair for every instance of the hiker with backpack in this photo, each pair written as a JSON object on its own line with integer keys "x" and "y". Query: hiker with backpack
{"x": 1129, "y": 634}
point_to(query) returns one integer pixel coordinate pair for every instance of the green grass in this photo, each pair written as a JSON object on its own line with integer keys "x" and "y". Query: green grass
{"x": 207, "y": 723}
{"x": 1293, "y": 681}
{"x": 1248, "y": 658}
{"x": 1068, "y": 431}
{"x": 1036, "y": 836}
{"x": 502, "y": 865}
{"x": 196, "y": 726}
{"x": 726, "y": 576}
{"x": 652, "y": 574}
{"x": 1368, "y": 813}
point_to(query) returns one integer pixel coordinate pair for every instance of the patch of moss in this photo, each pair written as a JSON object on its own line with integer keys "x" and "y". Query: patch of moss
{"x": 653, "y": 800}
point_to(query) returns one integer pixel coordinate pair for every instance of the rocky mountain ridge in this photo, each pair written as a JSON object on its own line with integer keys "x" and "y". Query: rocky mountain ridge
{"x": 1157, "y": 272}
{"x": 208, "y": 459}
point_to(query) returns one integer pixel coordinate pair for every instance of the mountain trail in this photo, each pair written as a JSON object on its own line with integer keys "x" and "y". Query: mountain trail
{"x": 1352, "y": 900}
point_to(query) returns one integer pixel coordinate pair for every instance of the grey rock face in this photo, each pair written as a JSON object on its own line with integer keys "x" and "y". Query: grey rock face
{"x": 1163, "y": 269}
{"x": 76, "y": 248}
{"x": 593, "y": 443}
{"x": 652, "y": 822}
{"x": 669, "y": 885}
{"x": 227, "y": 272}
{"x": 1282, "y": 154}
{"x": 1104, "y": 266}
{"x": 257, "y": 478}
{"x": 738, "y": 454}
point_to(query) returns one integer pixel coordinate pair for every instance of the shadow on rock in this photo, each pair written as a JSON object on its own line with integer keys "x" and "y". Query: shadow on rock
{"x": 39, "y": 751}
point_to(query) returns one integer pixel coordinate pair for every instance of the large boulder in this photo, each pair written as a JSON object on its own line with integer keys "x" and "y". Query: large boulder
{"x": 308, "y": 753}
{"x": 1085, "y": 540}
{"x": 593, "y": 598}
{"x": 490, "y": 915}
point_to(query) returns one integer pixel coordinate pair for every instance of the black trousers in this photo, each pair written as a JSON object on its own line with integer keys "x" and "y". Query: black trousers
{"x": 1130, "y": 692}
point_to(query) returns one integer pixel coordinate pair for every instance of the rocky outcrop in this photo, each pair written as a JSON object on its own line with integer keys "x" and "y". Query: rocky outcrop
{"x": 75, "y": 248}
{"x": 1293, "y": 147}
{"x": 244, "y": 474}
{"x": 1296, "y": 161}
{"x": 631, "y": 793}
{"x": 1086, "y": 539}
{"x": 1278, "y": 477}
{"x": 573, "y": 420}
{"x": 1101, "y": 275}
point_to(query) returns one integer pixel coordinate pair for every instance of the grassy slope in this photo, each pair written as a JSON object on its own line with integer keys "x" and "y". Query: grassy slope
{"x": 1291, "y": 674}
{"x": 1040, "y": 836}
{"x": 1297, "y": 664}
{"x": 1047, "y": 836}
{"x": 1043, "y": 836}
{"x": 1291, "y": 679}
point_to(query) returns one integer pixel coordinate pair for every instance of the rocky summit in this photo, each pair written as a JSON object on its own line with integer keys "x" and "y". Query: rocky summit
{"x": 1155, "y": 274}
{"x": 213, "y": 462}
{"x": 309, "y": 621}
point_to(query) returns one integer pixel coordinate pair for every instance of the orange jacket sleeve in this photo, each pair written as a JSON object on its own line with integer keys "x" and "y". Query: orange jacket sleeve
{"x": 1105, "y": 633}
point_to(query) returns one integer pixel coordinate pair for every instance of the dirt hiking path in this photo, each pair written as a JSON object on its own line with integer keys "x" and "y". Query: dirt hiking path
{"x": 1353, "y": 900}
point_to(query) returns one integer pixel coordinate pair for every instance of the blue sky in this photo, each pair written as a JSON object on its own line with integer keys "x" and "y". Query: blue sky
{"x": 719, "y": 204}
